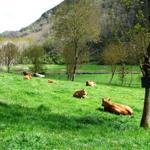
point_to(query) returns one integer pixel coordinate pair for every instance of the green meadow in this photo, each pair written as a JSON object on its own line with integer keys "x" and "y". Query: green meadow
{"x": 36, "y": 115}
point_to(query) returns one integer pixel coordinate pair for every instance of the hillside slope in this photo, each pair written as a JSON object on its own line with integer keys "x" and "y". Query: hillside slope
{"x": 37, "y": 28}
{"x": 113, "y": 14}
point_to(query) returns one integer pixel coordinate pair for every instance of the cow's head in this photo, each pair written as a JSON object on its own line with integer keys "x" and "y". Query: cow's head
{"x": 106, "y": 101}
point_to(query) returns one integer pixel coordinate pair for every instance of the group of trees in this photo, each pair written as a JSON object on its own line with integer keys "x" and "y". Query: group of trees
{"x": 12, "y": 54}
{"x": 122, "y": 53}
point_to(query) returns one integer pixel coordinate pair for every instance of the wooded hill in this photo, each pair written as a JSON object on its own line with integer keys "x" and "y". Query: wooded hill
{"x": 113, "y": 13}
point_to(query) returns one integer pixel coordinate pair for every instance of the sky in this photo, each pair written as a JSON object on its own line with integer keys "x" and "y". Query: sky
{"x": 16, "y": 14}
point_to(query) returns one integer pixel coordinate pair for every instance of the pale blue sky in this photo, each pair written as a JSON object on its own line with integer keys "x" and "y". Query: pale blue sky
{"x": 15, "y": 14}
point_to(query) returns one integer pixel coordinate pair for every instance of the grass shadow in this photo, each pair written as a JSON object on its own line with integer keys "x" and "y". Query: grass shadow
{"x": 42, "y": 117}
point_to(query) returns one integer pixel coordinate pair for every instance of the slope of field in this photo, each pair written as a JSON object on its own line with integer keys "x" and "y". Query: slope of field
{"x": 35, "y": 115}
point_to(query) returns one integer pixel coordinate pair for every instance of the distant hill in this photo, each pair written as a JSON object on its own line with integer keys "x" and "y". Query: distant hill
{"x": 113, "y": 14}
{"x": 38, "y": 30}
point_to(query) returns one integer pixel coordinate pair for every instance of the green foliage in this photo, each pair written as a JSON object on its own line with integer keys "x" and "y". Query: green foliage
{"x": 137, "y": 47}
{"x": 35, "y": 53}
{"x": 114, "y": 53}
{"x": 52, "y": 54}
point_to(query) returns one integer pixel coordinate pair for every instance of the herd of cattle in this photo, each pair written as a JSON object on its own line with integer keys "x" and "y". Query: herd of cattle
{"x": 108, "y": 105}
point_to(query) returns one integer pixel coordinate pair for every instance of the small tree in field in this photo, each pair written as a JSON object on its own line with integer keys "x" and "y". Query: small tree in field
{"x": 114, "y": 54}
{"x": 35, "y": 54}
{"x": 75, "y": 24}
{"x": 9, "y": 53}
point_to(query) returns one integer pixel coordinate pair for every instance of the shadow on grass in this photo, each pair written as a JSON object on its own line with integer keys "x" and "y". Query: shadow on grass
{"x": 119, "y": 85}
{"x": 16, "y": 115}
{"x": 3, "y": 104}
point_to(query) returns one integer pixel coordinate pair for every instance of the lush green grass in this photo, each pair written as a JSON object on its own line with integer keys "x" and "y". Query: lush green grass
{"x": 82, "y": 68}
{"x": 35, "y": 115}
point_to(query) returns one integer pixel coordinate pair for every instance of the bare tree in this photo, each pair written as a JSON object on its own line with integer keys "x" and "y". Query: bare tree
{"x": 114, "y": 54}
{"x": 9, "y": 53}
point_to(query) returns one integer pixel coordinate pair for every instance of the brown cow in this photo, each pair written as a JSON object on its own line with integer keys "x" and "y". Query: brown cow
{"x": 26, "y": 77}
{"x": 116, "y": 108}
{"x": 90, "y": 83}
{"x": 80, "y": 94}
{"x": 51, "y": 81}
{"x": 27, "y": 73}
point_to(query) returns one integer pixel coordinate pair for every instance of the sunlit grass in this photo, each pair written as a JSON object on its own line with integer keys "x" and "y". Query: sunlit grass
{"x": 40, "y": 116}
{"x": 61, "y": 68}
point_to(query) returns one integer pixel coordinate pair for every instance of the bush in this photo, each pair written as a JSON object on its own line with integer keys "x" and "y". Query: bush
{"x": 35, "y": 53}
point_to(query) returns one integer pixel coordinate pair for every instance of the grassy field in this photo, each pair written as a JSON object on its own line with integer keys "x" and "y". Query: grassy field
{"x": 61, "y": 68}
{"x": 35, "y": 115}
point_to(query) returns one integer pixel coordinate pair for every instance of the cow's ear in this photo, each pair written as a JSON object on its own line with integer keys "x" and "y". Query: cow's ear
{"x": 103, "y": 99}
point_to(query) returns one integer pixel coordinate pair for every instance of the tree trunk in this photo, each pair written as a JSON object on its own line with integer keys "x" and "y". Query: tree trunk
{"x": 131, "y": 78}
{"x": 76, "y": 60}
{"x": 145, "y": 70}
{"x": 67, "y": 71}
{"x": 113, "y": 70}
{"x": 146, "y": 110}
{"x": 8, "y": 68}
{"x": 123, "y": 73}
{"x": 74, "y": 70}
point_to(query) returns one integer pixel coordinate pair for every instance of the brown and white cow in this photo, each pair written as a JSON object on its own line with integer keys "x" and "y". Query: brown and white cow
{"x": 80, "y": 94}
{"x": 90, "y": 83}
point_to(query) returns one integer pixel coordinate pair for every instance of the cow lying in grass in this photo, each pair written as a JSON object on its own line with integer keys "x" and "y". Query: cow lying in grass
{"x": 27, "y": 75}
{"x": 80, "y": 94}
{"x": 39, "y": 75}
{"x": 90, "y": 83}
{"x": 51, "y": 81}
{"x": 116, "y": 108}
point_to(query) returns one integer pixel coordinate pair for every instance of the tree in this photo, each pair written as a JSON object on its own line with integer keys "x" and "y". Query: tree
{"x": 52, "y": 54}
{"x": 114, "y": 54}
{"x": 9, "y": 53}
{"x": 146, "y": 75}
{"x": 75, "y": 24}
{"x": 35, "y": 54}
{"x": 137, "y": 47}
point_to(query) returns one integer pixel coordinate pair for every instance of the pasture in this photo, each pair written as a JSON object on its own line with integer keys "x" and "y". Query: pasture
{"x": 36, "y": 115}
